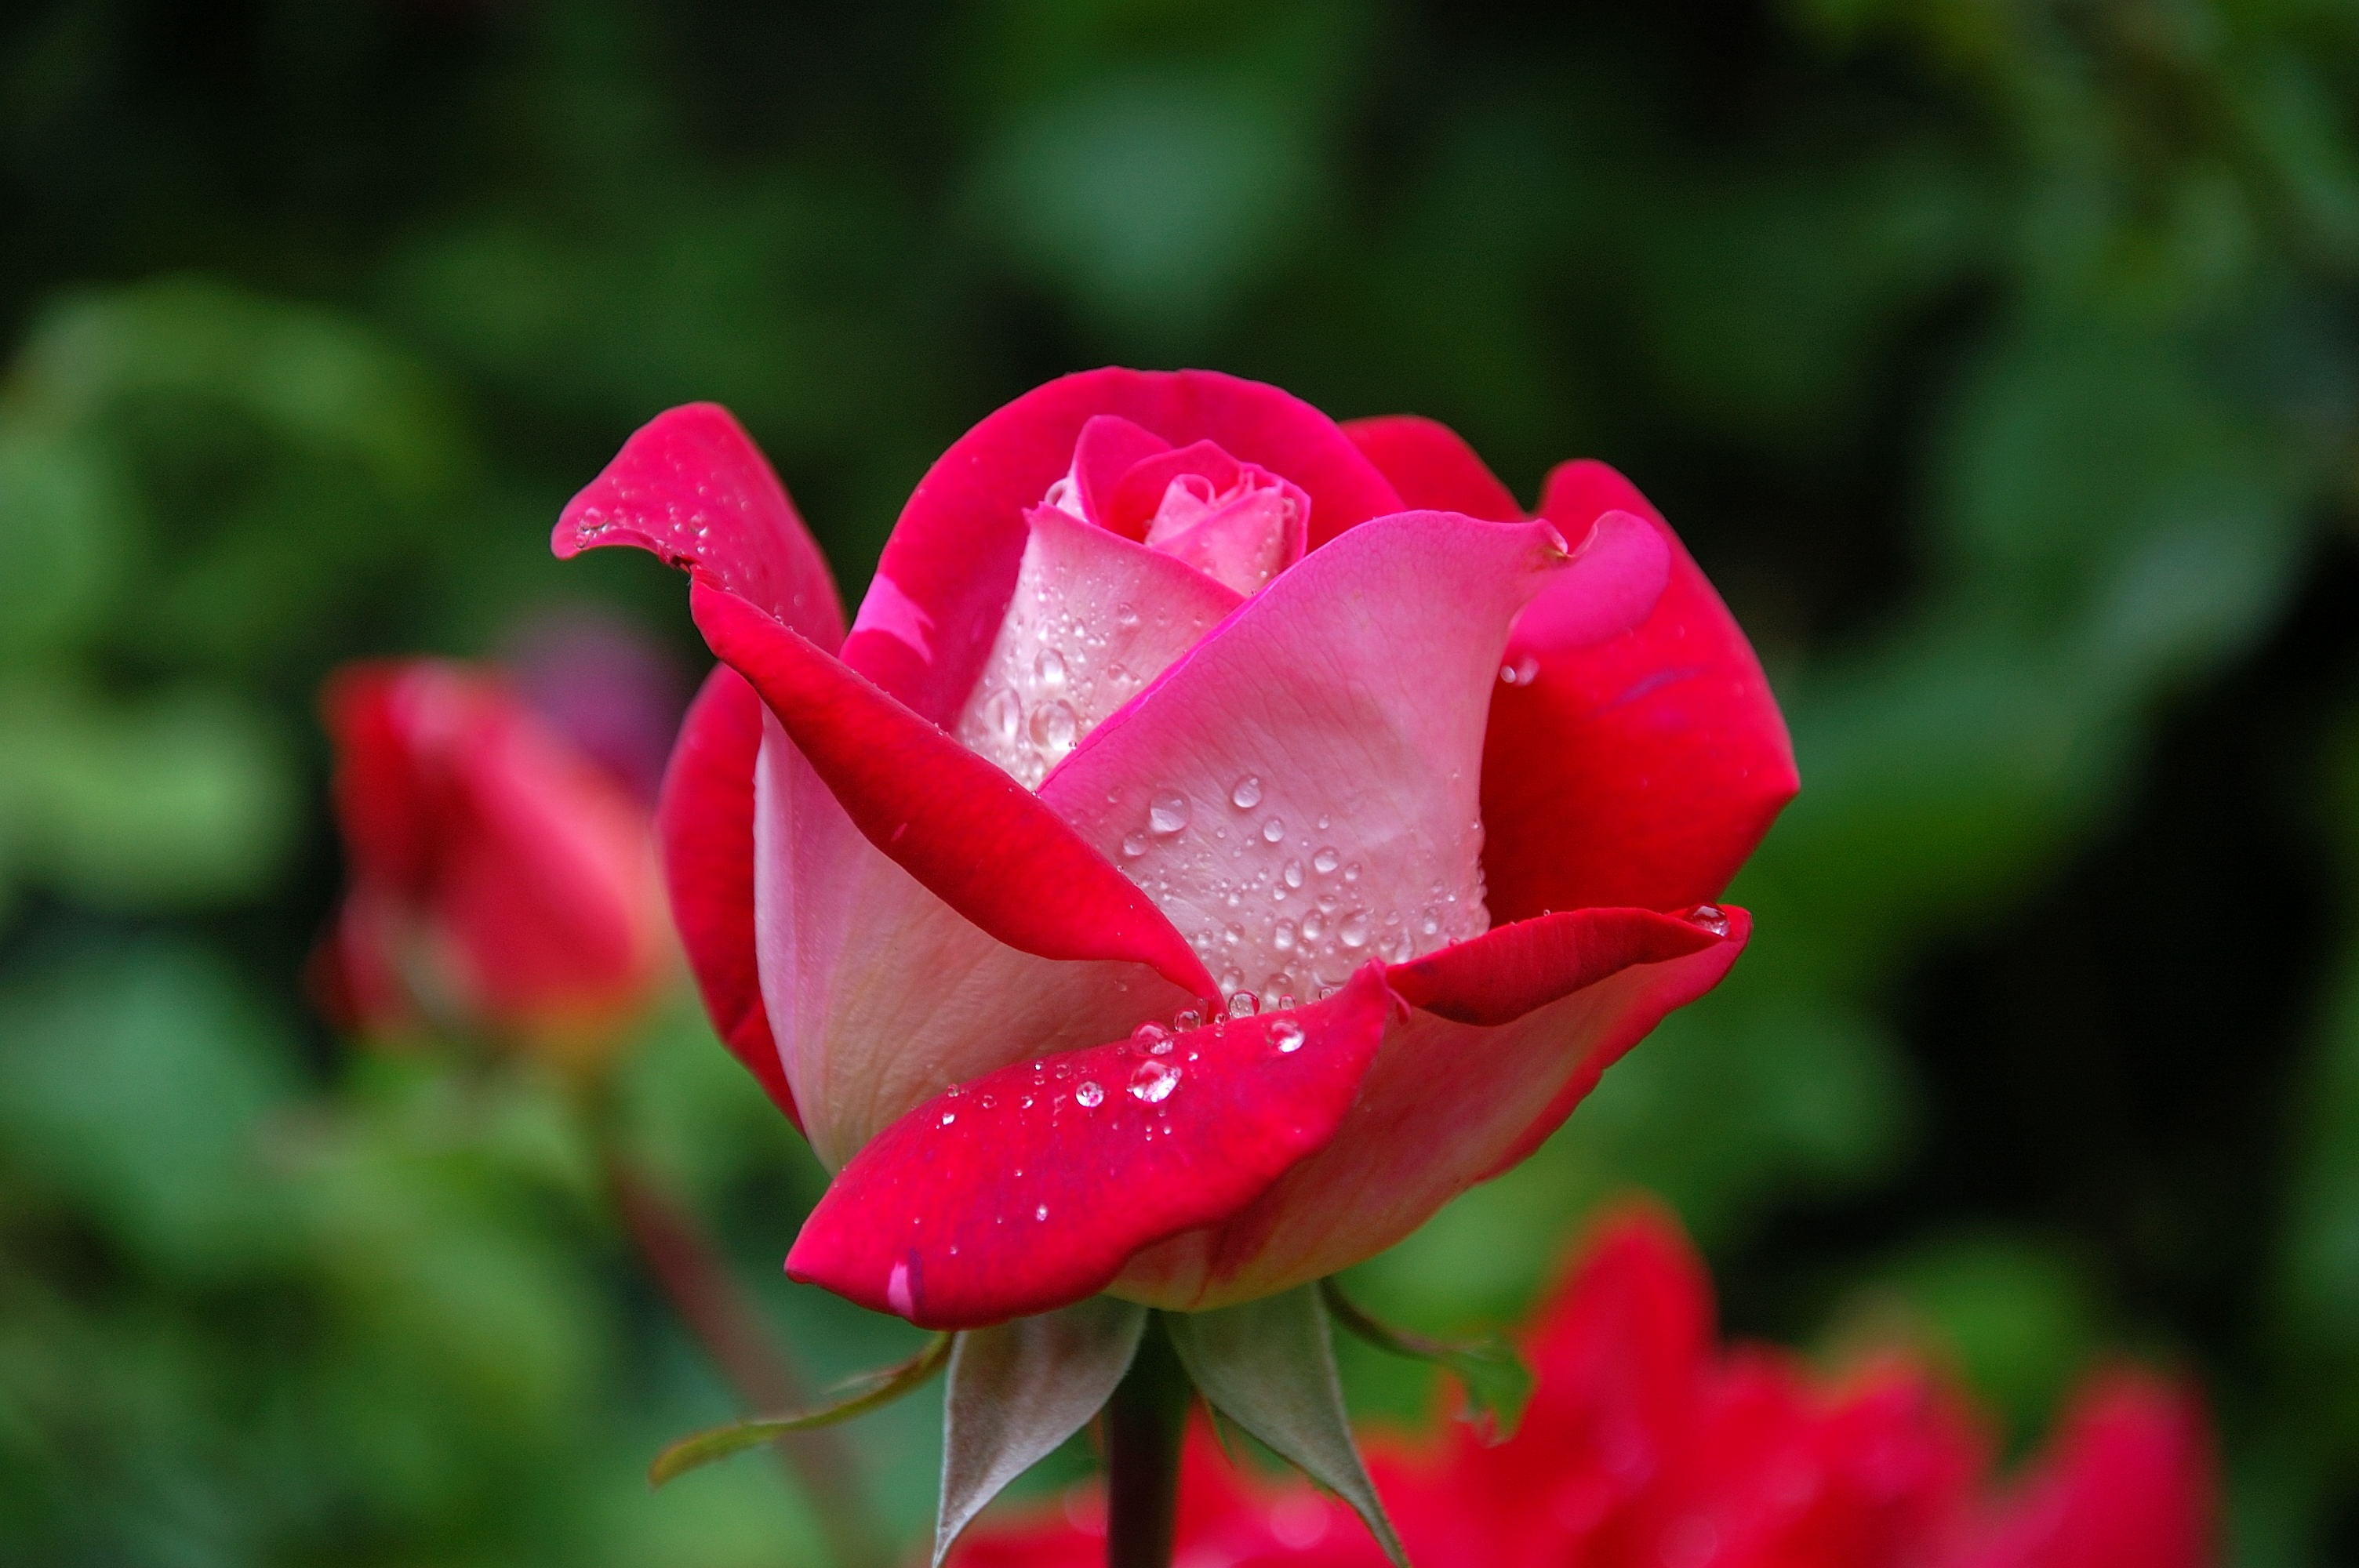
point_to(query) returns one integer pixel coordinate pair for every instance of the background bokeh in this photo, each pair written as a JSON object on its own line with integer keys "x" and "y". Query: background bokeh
{"x": 1998, "y": 358}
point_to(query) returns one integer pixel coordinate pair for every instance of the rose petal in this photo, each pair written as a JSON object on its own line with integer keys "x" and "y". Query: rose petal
{"x": 1637, "y": 771}
{"x": 953, "y": 557}
{"x": 1448, "y": 1104}
{"x": 691, "y": 487}
{"x": 704, "y": 825}
{"x": 842, "y": 933}
{"x": 976, "y": 838}
{"x": 1320, "y": 744}
{"x": 1432, "y": 467}
{"x": 1095, "y": 617}
{"x": 1028, "y": 1188}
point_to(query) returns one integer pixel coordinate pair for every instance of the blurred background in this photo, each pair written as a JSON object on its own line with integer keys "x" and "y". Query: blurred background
{"x": 2000, "y": 361}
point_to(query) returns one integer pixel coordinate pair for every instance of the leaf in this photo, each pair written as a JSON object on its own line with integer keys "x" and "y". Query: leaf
{"x": 1019, "y": 1389}
{"x": 857, "y": 1397}
{"x": 1269, "y": 1366}
{"x": 1498, "y": 1383}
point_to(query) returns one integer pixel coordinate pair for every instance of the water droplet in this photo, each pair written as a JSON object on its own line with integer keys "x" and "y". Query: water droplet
{"x": 1230, "y": 979}
{"x": 1285, "y": 1003}
{"x": 1154, "y": 1081}
{"x": 1133, "y": 845}
{"x": 1273, "y": 831}
{"x": 1351, "y": 872}
{"x": 1048, "y": 670}
{"x": 1003, "y": 715}
{"x": 1189, "y": 1019}
{"x": 1125, "y": 614}
{"x": 1354, "y": 932}
{"x": 1168, "y": 813}
{"x": 1090, "y": 1096}
{"x": 1709, "y": 916}
{"x": 1287, "y": 1035}
{"x": 1150, "y": 1034}
{"x": 989, "y": 1103}
{"x": 1244, "y": 1004}
{"x": 1040, "y": 1213}
{"x": 1428, "y": 921}
{"x": 1292, "y": 875}
{"x": 1282, "y": 937}
{"x": 948, "y": 1116}
{"x": 1247, "y": 795}
{"x": 1325, "y": 862}
{"x": 1054, "y": 728}
{"x": 1232, "y": 935}
{"x": 1314, "y": 927}
{"x": 1520, "y": 671}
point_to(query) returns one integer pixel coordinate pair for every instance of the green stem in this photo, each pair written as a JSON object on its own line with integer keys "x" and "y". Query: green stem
{"x": 1145, "y": 1424}
{"x": 703, "y": 1290}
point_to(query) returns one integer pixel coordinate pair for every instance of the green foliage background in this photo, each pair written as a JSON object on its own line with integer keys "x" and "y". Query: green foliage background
{"x": 1999, "y": 358}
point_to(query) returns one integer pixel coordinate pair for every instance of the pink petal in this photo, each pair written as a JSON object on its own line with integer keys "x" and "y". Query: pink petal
{"x": 1028, "y": 1188}
{"x": 691, "y": 487}
{"x": 704, "y": 824}
{"x": 1094, "y": 618}
{"x": 1108, "y": 448}
{"x": 881, "y": 996}
{"x": 1432, "y": 467}
{"x": 1322, "y": 743}
{"x": 952, "y": 557}
{"x": 973, "y": 836}
{"x": 1448, "y": 1104}
{"x": 1640, "y": 770}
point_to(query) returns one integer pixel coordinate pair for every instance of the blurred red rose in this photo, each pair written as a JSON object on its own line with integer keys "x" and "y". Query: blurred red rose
{"x": 1648, "y": 1446}
{"x": 500, "y": 881}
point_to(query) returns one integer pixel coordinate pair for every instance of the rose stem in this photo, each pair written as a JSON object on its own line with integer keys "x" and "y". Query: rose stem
{"x": 692, "y": 1274}
{"x": 1145, "y": 1422}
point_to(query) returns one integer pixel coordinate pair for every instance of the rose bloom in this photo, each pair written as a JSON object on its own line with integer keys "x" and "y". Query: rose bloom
{"x": 1224, "y": 836}
{"x": 1647, "y": 1445}
{"x": 501, "y": 883}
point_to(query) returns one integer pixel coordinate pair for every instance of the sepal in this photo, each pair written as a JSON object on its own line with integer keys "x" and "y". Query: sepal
{"x": 858, "y": 1397}
{"x": 1496, "y": 1383}
{"x": 1017, "y": 1390}
{"x": 1269, "y": 1366}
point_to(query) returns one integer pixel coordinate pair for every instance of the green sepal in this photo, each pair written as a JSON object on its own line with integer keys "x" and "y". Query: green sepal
{"x": 857, "y": 1397}
{"x": 1496, "y": 1382}
{"x": 1269, "y": 1365}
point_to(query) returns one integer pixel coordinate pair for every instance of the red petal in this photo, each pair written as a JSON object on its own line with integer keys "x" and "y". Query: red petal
{"x": 1448, "y": 1104}
{"x": 977, "y": 839}
{"x": 2129, "y": 1481}
{"x": 1014, "y": 1195}
{"x": 704, "y": 822}
{"x": 1640, "y": 771}
{"x": 942, "y": 586}
{"x": 691, "y": 487}
{"x": 1432, "y": 467}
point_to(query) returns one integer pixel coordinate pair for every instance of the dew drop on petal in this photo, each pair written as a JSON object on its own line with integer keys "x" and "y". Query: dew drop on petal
{"x": 1003, "y": 716}
{"x": 1054, "y": 728}
{"x": 1189, "y": 1019}
{"x": 1351, "y": 872}
{"x": 1089, "y": 1095}
{"x": 1325, "y": 862}
{"x": 1520, "y": 671}
{"x": 1133, "y": 845}
{"x": 1125, "y": 614}
{"x": 1048, "y": 670}
{"x": 1244, "y": 1004}
{"x": 1292, "y": 874}
{"x": 1168, "y": 811}
{"x": 1154, "y": 1081}
{"x": 1247, "y": 793}
{"x": 948, "y": 1116}
{"x": 1040, "y": 1213}
{"x": 1282, "y": 937}
{"x": 1150, "y": 1034}
{"x": 1314, "y": 927}
{"x": 1273, "y": 831}
{"x": 1287, "y": 1035}
{"x": 1353, "y": 931}
{"x": 1711, "y": 917}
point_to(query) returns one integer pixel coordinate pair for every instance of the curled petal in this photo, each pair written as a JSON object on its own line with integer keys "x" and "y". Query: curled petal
{"x": 1639, "y": 769}
{"x": 691, "y": 487}
{"x": 1029, "y": 1187}
{"x": 942, "y": 583}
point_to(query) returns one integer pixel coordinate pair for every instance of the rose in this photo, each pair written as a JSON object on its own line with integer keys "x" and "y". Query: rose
{"x": 1171, "y": 695}
{"x": 1646, "y": 1442}
{"x": 500, "y": 880}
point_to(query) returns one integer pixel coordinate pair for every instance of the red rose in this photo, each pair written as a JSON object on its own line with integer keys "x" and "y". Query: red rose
{"x": 1647, "y": 1445}
{"x": 1172, "y": 696}
{"x": 500, "y": 880}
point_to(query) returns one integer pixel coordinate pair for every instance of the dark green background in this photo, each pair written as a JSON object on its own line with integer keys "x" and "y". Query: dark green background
{"x": 1999, "y": 358}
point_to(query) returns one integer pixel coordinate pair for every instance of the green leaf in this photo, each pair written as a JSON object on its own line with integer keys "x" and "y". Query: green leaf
{"x": 1269, "y": 1366}
{"x": 857, "y": 1397}
{"x": 1498, "y": 1383}
{"x": 1018, "y": 1390}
